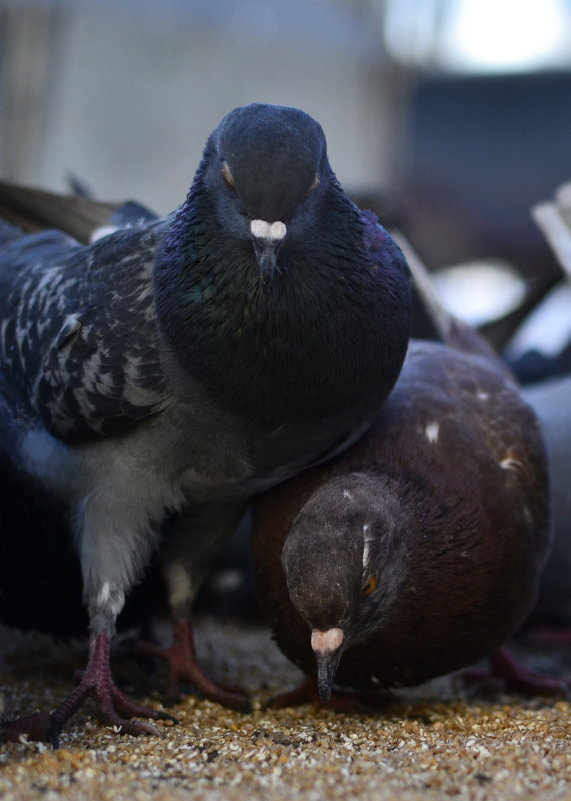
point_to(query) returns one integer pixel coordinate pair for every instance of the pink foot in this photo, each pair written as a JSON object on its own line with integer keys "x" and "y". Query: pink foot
{"x": 113, "y": 707}
{"x": 183, "y": 667}
{"x": 508, "y": 674}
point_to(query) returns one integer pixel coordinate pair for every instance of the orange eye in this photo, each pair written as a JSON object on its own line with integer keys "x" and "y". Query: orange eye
{"x": 227, "y": 176}
{"x": 369, "y": 586}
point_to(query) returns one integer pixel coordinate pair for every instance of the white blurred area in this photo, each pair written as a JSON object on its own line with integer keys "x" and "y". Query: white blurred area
{"x": 480, "y": 35}
{"x": 123, "y": 94}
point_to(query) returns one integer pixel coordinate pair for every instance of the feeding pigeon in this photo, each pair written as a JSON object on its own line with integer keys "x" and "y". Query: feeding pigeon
{"x": 161, "y": 376}
{"x": 419, "y": 550}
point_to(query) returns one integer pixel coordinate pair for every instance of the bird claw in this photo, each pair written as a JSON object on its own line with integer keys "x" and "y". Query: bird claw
{"x": 183, "y": 667}
{"x": 113, "y": 707}
{"x": 109, "y": 710}
{"x": 41, "y": 727}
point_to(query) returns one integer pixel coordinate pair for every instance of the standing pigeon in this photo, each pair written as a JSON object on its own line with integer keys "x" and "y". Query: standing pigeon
{"x": 158, "y": 378}
{"x": 418, "y": 551}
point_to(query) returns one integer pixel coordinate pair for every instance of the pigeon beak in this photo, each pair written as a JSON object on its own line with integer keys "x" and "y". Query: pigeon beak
{"x": 327, "y": 647}
{"x": 268, "y": 239}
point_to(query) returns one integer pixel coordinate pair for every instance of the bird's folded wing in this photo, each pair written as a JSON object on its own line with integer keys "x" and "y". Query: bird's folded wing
{"x": 78, "y": 337}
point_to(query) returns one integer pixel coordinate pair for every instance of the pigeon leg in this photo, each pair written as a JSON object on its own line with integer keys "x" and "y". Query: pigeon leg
{"x": 192, "y": 540}
{"x": 349, "y": 701}
{"x": 509, "y": 674}
{"x": 183, "y": 667}
{"x": 113, "y": 707}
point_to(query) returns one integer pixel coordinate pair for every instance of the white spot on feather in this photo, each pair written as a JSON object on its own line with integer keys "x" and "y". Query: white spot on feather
{"x": 347, "y": 494}
{"x": 104, "y": 594}
{"x": 510, "y": 464}
{"x": 483, "y": 396}
{"x": 366, "y": 553}
{"x": 101, "y": 231}
{"x": 431, "y": 432}
{"x": 117, "y": 605}
{"x": 114, "y": 602}
{"x": 265, "y": 230}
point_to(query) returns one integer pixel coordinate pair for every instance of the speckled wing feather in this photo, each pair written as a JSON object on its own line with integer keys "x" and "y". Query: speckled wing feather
{"x": 78, "y": 337}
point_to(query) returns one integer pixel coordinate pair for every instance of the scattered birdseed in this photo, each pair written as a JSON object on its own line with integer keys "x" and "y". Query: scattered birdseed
{"x": 437, "y": 742}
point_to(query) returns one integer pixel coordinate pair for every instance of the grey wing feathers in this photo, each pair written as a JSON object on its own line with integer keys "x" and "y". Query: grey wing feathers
{"x": 78, "y": 338}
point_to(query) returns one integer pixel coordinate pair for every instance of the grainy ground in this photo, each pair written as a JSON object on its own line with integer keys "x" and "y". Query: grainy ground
{"x": 436, "y": 742}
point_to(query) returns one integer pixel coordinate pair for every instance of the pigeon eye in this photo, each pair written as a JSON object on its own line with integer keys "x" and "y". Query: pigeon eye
{"x": 368, "y": 588}
{"x": 227, "y": 176}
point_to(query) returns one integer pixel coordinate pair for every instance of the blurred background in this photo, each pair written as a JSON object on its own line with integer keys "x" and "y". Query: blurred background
{"x": 449, "y": 118}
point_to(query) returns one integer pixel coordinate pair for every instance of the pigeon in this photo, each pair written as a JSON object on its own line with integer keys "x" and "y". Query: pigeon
{"x": 158, "y": 378}
{"x": 551, "y": 401}
{"x": 418, "y": 551}
{"x": 544, "y": 368}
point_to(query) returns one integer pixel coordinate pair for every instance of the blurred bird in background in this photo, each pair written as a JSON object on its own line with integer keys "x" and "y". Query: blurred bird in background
{"x": 544, "y": 340}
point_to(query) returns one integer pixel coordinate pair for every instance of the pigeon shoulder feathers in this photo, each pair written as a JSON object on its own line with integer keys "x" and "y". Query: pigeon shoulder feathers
{"x": 79, "y": 341}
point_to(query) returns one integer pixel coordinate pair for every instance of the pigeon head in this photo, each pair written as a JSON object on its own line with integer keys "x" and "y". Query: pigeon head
{"x": 275, "y": 293}
{"x": 271, "y": 156}
{"x": 342, "y": 566}
{"x": 263, "y": 162}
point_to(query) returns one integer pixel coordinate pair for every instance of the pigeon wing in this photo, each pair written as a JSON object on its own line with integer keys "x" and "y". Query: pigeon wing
{"x": 78, "y": 333}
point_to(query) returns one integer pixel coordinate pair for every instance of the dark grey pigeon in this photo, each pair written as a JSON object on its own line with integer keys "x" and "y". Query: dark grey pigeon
{"x": 161, "y": 376}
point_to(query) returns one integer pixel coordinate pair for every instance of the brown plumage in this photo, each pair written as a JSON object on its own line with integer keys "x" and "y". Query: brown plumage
{"x": 419, "y": 550}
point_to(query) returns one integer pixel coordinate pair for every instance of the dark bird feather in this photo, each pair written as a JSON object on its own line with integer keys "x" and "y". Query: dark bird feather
{"x": 419, "y": 550}
{"x": 160, "y": 376}
{"x": 551, "y": 401}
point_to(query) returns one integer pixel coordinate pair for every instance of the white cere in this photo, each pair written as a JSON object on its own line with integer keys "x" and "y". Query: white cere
{"x": 330, "y": 640}
{"x": 265, "y": 230}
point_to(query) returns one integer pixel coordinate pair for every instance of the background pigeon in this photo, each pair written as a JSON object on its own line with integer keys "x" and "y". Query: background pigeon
{"x": 159, "y": 377}
{"x": 419, "y": 550}
{"x": 545, "y": 339}
{"x": 551, "y": 401}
